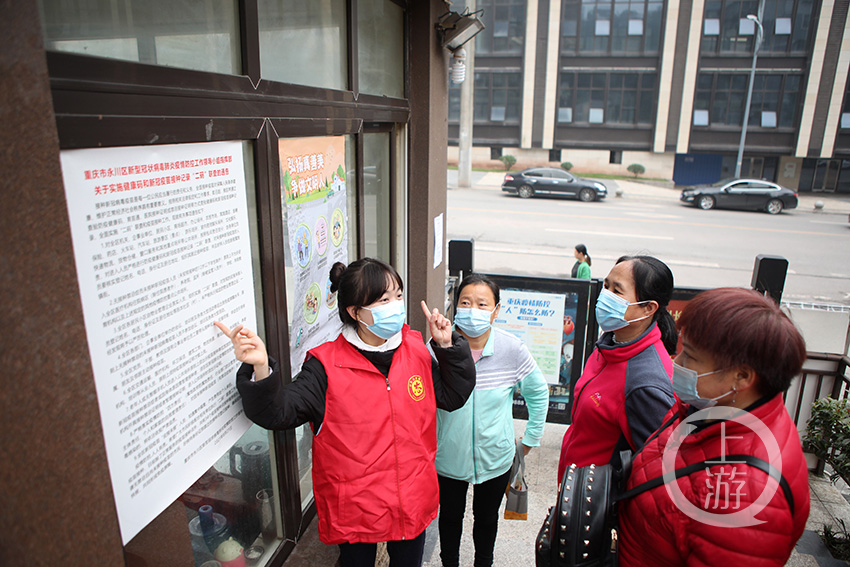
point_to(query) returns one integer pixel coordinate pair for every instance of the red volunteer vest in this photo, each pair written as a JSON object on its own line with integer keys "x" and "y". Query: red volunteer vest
{"x": 373, "y": 458}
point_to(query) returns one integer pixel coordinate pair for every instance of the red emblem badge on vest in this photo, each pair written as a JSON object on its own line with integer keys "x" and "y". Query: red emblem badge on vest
{"x": 416, "y": 388}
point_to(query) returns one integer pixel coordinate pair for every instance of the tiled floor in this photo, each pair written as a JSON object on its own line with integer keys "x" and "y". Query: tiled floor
{"x": 515, "y": 542}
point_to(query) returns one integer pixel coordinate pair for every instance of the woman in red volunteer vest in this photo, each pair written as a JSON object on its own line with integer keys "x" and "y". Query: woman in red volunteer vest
{"x": 371, "y": 397}
{"x": 739, "y": 355}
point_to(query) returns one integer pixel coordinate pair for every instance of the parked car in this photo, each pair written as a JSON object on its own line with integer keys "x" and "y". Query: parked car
{"x": 742, "y": 194}
{"x": 553, "y": 181}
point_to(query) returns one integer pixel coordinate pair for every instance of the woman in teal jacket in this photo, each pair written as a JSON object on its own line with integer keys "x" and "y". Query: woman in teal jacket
{"x": 475, "y": 444}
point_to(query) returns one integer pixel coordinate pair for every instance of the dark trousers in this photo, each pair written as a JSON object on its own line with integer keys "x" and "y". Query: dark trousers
{"x": 404, "y": 553}
{"x": 486, "y": 499}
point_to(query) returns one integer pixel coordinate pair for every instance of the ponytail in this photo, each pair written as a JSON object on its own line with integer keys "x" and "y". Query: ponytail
{"x": 667, "y": 326}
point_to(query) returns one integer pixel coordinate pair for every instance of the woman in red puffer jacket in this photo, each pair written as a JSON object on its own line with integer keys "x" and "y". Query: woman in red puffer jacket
{"x": 740, "y": 352}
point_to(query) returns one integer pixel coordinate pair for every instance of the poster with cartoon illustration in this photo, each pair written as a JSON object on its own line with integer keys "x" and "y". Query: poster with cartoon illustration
{"x": 313, "y": 194}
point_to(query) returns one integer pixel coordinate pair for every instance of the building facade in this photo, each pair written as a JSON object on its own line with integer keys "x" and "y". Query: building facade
{"x": 607, "y": 83}
{"x": 161, "y": 100}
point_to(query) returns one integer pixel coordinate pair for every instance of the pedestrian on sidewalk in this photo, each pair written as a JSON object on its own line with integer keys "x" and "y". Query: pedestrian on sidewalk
{"x": 475, "y": 444}
{"x": 581, "y": 269}
{"x": 739, "y": 351}
{"x": 371, "y": 397}
{"x": 626, "y": 386}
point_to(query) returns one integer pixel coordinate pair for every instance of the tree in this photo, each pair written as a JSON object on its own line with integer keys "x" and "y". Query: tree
{"x": 566, "y": 165}
{"x": 508, "y": 161}
{"x": 636, "y": 169}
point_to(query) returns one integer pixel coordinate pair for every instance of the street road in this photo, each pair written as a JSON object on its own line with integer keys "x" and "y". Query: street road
{"x": 703, "y": 248}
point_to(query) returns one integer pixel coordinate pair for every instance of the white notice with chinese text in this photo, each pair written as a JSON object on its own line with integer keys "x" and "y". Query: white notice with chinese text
{"x": 162, "y": 247}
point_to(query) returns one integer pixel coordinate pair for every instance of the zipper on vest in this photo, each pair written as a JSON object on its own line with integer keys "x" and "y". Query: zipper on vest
{"x": 395, "y": 449}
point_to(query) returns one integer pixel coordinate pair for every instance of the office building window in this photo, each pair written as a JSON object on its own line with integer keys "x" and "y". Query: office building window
{"x": 504, "y": 26}
{"x": 566, "y": 98}
{"x": 787, "y": 26}
{"x": 721, "y": 99}
{"x": 498, "y": 96}
{"x": 606, "y": 26}
{"x": 845, "y": 108}
{"x": 607, "y": 98}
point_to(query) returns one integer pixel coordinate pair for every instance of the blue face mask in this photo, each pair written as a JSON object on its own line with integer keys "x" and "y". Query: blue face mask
{"x": 685, "y": 386}
{"x": 388, "y": 319}
{"x": 473, "y": 322}
{"x": 611, "y": 311}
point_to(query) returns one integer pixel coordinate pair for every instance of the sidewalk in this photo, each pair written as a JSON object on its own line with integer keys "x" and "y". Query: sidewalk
{"x": 515, "y": 542}
{"x": 639, "y": 190}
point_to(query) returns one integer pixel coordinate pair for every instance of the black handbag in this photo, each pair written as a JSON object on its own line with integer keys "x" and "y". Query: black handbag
{"x": 581, "y": 529}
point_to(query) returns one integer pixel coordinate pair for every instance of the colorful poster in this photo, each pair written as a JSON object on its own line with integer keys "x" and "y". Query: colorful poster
{"x": 162, "y": 248}
{"x": 313, "y": 191}
{"x": 539, "y": 320}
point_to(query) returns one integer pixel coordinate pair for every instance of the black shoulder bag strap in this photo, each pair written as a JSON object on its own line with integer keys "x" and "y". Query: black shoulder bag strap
{"x": 760, "y": 464}
{"x": 730, "y": 459}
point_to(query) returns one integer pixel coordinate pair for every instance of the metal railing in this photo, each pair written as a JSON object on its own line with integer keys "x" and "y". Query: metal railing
{"x": 823, "y": 376}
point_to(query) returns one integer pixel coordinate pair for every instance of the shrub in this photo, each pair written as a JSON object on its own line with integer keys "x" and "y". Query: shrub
{"x": 508, "y": 160}
{"x": 636, "y": 169}
{"x": 828, "y": 435}
{"x": 566, "y": 165}
{"x": 837, "y": 540}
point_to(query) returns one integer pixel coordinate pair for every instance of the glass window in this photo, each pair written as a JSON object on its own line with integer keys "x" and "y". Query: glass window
{"x": 614, "y": 98}
{"x": 497, "y": 97}
{"x": 724, "y": 95}
{"x": 235, "y": 501}
{"x": 175, "y": 33}
{"x": 504, "y": 26}
{"x": 376, "y": 196}
{"x": 351, "y": 189}
{"x": 611, "y": 26}
{"x": 380, "y": 45}
{"x": 787, "y": 25}
{"x": 304, "y": 43}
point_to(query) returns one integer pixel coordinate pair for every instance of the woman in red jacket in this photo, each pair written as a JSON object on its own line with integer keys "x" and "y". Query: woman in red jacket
{"x": 739, "y": 353}
{"x": 371, "y": 397}
{"x": 625, "y": 388}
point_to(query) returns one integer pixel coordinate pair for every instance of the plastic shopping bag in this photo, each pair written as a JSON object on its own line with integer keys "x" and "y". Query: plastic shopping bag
{"x": 517, "y": 491}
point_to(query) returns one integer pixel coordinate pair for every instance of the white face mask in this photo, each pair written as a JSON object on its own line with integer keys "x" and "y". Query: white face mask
{"x": 611, "y": 311}
{"x": 685, "y": 386}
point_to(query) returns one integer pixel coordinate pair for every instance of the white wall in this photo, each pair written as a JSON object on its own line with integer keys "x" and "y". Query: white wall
{"x": 658, "y": 166}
